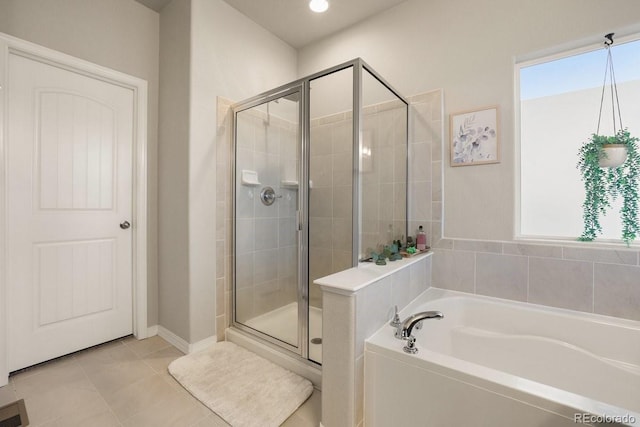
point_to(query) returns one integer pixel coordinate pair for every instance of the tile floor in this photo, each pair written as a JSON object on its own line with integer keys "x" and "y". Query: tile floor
{"x": 121, "y": 383}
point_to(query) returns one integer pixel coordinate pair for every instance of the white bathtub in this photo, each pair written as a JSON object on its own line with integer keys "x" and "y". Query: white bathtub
{"x": 492, "y": 362}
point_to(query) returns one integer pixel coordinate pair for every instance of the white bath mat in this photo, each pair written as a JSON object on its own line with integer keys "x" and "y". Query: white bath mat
{"x": 240, "y": 386}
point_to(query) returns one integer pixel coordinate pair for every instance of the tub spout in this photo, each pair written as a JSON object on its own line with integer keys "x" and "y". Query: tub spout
{"x": 406, "y": 327}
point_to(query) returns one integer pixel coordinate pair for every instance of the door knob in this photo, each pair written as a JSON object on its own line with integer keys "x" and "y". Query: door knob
{"x": 124, "y": 225}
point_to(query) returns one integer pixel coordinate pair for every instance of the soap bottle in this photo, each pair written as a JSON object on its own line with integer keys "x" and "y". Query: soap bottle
{"x": 421, "y": 239}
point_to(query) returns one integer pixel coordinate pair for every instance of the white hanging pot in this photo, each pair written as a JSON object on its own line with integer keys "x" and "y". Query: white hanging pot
{"x": 613, "y": 155}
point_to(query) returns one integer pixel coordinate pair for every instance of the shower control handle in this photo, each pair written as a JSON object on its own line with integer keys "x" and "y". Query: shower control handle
{"x": 268, "y": 196}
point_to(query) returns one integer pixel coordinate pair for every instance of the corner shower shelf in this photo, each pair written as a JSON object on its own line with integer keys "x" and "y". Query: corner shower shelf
{"x": 293, "y": 184}
{"x": 250, "y": 178}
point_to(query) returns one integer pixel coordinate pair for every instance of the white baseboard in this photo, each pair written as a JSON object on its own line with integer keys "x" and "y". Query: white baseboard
{"x": 183, "y": 345}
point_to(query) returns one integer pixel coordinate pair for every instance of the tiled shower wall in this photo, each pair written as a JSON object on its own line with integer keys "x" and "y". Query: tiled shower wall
{"x": 383, "y": 187}
{"x": 383, "y": 175}
{"x": 224, "y": 229}
{"x": 425, "y": 164}
{"x": 330, "y": 210}
{"x": 266, "y": 251}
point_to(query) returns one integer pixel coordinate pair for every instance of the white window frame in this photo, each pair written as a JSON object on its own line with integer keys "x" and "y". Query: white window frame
{"x": 548, "y": 55}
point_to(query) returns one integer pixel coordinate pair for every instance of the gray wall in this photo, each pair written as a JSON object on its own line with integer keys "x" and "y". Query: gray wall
{"x": 173, "y": 164}
{"x": 118, "y": 34}
{"x": 209, "y": 50}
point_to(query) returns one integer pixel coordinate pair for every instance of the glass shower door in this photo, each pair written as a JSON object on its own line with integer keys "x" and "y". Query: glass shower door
{"x": 266, "y": 260}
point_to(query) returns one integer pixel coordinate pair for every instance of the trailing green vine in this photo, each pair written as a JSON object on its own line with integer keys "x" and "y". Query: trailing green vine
{"x": 602, "y": 185}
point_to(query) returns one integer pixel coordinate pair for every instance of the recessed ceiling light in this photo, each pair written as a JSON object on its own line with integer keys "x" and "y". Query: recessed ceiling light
{"x": 319, "y": 6}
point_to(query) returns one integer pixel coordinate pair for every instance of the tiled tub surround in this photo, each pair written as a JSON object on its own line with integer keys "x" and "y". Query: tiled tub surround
{"x": 357, "y": 302}
{"x": 594, "y": 280}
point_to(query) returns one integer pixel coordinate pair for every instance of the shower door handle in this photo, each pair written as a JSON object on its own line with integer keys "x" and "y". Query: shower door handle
{"x": 299, "y": 220}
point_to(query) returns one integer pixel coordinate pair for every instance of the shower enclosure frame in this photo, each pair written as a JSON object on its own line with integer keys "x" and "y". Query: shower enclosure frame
{"x": 302, "y": 86}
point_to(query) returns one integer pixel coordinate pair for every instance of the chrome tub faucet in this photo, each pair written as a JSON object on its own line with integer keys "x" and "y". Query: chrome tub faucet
{"x": 404, "y": 330}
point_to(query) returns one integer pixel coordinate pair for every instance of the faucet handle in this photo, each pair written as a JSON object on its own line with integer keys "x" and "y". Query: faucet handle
{"x": 411, "y": 345}
{"x": 395, "y": 322}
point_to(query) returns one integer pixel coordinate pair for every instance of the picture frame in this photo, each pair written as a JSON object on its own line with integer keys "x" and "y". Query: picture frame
{"x": 474, "y": 138}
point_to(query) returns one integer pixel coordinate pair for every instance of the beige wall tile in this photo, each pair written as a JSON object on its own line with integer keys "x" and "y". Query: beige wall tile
{"x": 502, "y": 276}
{"x": 454, "y": 270}
{"x": 342, "y": 203}
{"x": 342, "y": 239}
{"x": 401, "y": 294}
{"x": 561, "y": 283}
{"x": 436, "y": 211}
{"x": 265, "y": 266}
{"x": 477, "y": 246}
{"x": 532, "y": 250}
{"x": 245, "y": 270}
{"x": 420, "y": 162}
{"x": 265, "y": 233}
{"x": 420, "y": 201}
{"x": 320, "y": 262}
{"x": 342, "y": 260}
{"x": 342, "y": 137}
{"x": 286, "y": 232}
{"x": 617, "y": 290}
{"x": 342, "y": 169}
{"x": 321, "y": 202}
{"x": 321, "y": 170}
{"x": 321, "y": 143}
{"x": 420, "y": 118}
{"x": 436, "y": 179}
{"x": 614, "y": 256}
{"x": 320, "y": 232}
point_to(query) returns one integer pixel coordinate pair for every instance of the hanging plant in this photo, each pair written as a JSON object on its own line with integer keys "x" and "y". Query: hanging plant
{"x": 610, "y": 168}
{"x": 604, "y": 184}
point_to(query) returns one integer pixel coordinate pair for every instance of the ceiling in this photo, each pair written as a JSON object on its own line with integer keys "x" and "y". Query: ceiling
{"x": 293, "y": 22}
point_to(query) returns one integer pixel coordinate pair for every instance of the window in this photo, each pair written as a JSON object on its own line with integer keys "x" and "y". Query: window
{"x": 559, "y": 101}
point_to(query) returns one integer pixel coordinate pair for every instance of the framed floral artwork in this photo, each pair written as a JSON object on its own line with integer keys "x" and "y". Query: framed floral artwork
{"x": 474, "y": 137}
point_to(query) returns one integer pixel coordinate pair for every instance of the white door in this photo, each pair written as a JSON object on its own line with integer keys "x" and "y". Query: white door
{"x": 69, "y": 189}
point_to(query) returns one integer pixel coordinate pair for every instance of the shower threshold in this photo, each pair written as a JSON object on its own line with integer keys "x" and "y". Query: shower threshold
{"x": 282, "y": 323}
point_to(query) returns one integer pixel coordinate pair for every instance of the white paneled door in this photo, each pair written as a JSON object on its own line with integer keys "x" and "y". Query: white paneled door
{"x": 69, "y": 211}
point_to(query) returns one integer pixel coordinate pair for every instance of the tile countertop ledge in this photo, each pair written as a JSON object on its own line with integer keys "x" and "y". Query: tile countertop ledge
{"x": 349, "y": 281}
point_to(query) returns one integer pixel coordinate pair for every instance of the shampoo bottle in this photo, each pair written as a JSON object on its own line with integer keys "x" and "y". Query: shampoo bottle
{"x": 421, "y": 240}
